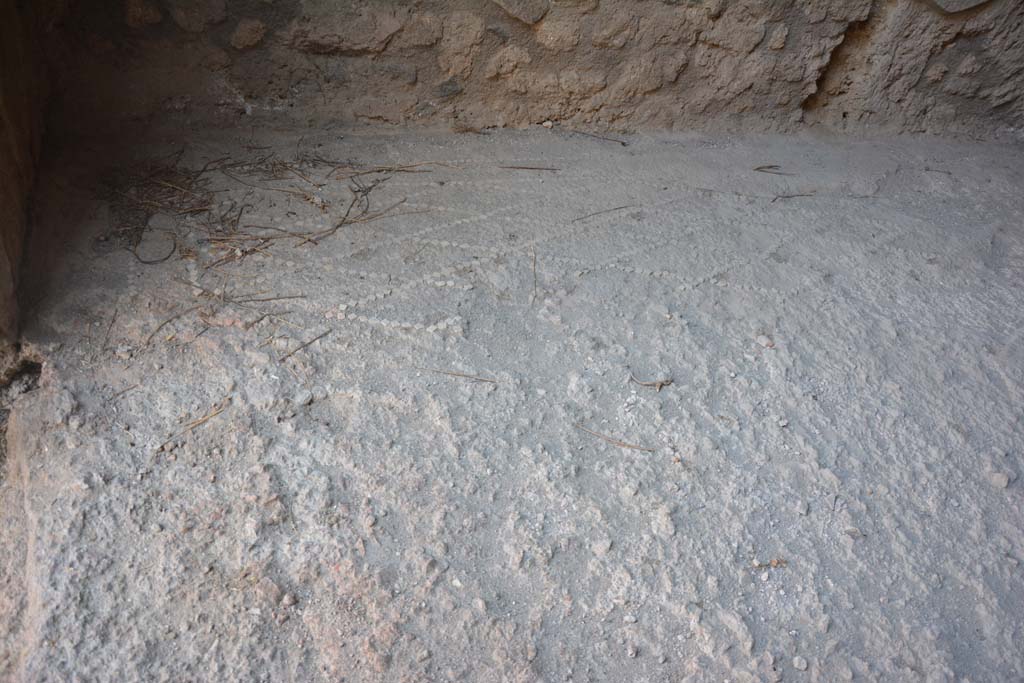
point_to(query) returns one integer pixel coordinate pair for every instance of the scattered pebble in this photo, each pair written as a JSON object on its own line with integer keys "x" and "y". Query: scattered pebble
{"x": 999, "y": 479}
{"x": 799, "y": 663}
{"x": 268, "y": 590}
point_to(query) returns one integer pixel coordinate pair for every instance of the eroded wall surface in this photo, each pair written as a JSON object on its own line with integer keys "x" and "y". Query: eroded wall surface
{"x": 23, "y": 28}
{"x": 901, "y": 65}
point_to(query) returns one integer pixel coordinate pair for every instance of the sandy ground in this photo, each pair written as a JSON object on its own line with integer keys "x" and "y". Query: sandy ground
{"x": 698, "y": 409}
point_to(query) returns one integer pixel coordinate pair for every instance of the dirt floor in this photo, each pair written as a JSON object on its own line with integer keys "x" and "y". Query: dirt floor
{"x": 532, "y": 406}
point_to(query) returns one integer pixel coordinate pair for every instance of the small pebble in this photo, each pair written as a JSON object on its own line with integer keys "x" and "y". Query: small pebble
{"x": 548, "y": 124}
{"x": 799, "y": 663}
{"x": 999, "y": 479}
{"x": 765, "y": 341}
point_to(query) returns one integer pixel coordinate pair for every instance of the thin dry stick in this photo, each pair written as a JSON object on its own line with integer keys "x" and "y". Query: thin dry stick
{"x": 204, "y": 290}
{"x": 774, "y": 169}
{"x": 314, "y": 237}
{"x": 614, "y": 442}
{"x": 534, "y": 250}
{"x": 304, "y": 345}
{"x": 123, "y": 392}
{"x": 299, "y": 193}
{"x": 176, "y": 187}
{"x": 657, "y": 384}
{"x": 460, "y": 374}
{"x": 267, "y": 298}
{"x": 598, "y": 213}
{"x": 790, "y": 196}
{"x": 531, "y": 168}
{"x": 144, "y": 202}
{"x": 600, "y": 137}
{"x": 106, "y": 337}
{"x": 213, "y": 412}
{"x": 408, "y": 168}
{"x": 146, "y": 262}
{"x": 168, "y": 321}
{"x": 198, "y": 209}
{"x": 241, "y": 299}
{"x": 291, "y": 168}
{"x": 198, "y": 334}
{"x": 328, "y": 232}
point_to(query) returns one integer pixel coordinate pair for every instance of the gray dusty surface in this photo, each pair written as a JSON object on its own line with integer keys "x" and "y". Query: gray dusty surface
{"x": 458, "y": 479}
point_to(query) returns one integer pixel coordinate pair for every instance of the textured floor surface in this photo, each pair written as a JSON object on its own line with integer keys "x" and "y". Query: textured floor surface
{"x": 543, "y": 408}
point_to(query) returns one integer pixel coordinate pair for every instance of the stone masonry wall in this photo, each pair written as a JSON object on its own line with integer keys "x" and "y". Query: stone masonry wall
{"x": 23, "y": 26}
{"x": 899, "y": 65}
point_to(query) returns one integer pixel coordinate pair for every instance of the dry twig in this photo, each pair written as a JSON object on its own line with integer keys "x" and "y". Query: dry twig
{"x": 534, "y": 250}
{"x": 460, "y": 374}
{"x": 773, "y": 169}
{"x": 188, "y": 427}
{"x": 124, "y": 391}
{"x": 304, "y": 345}
{"x": 598, "y": 213}
{"x": 168, "y": 321}
{"x": 613, "y": 441}
{"x": 600, "y": 137}
{"x": 790, "y": 196}
{"x": 530, "y": 168}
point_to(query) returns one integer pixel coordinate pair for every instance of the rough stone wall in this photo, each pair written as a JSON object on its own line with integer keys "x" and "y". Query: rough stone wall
{"x": 20, "y": 128}
{"x": 26, "y": 29}
{"x": 900, "y": 65}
